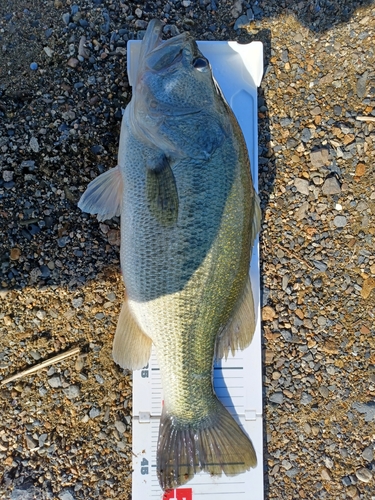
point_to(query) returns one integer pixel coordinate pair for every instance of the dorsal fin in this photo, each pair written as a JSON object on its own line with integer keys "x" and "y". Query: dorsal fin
{"x": 239, "y": 331}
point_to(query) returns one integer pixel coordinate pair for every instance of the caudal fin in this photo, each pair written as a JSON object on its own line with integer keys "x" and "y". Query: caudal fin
{"x": 216, "y": 444}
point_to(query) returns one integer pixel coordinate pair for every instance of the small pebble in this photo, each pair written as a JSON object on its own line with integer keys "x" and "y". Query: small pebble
{"x": 55, "y": 381}
{"x": 331, "y": 186}
{"x": 277, "y": 398}
{"x": 340, "y": 221}
{"x": 31, "y": 443}
{"x": 15, "y": 253}
{"x": 120, "y": 426}
{"x": 368, "y": 454}
{"x": 72, "y": 392}
{"x": 326, "y": 476}
{"x": 363, "y": 475}
{"x": 302, "y": 186}
{"x": 94, "y": 412}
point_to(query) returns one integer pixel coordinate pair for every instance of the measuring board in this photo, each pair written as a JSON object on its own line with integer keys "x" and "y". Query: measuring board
{"x": 238, "y": 70}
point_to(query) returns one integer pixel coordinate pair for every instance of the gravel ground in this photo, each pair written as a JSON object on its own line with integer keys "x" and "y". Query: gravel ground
{"x": 65, "y": 431}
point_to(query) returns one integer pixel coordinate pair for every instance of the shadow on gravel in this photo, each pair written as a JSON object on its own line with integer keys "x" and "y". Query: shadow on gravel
{"x": 316, "y": 15}
{"x": 266, "y": 180}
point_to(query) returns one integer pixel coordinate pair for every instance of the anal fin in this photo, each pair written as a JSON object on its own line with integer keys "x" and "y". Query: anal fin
{"x": 239, "y": 331}
{"x": 131, "y": 346}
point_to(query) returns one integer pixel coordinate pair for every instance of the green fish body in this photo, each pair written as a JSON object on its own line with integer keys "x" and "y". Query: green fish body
{"x": 189, "y": 217}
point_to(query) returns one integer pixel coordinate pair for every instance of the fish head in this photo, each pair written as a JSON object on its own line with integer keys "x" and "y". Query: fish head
{"x": 175, "y": 72}
{"x": 175, "y": 91}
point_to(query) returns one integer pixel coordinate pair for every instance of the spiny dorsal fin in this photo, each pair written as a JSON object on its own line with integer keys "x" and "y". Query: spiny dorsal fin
{"x": 131, "y": 346}
{"x": 239, "y": 331}
{"x": 103, "y": 196}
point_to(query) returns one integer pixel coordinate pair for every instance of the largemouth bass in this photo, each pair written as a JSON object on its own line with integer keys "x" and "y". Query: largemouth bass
{"x": 189, "y": 217}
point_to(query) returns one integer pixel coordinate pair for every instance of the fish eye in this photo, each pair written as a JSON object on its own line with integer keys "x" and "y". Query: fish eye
{"x": 200, "y": 64}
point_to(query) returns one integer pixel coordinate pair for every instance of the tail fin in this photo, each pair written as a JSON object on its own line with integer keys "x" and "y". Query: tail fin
{"x": 216, "y": 444}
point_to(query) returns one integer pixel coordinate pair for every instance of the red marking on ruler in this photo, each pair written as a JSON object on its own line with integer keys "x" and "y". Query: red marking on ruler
{"x": 179, "y": 494}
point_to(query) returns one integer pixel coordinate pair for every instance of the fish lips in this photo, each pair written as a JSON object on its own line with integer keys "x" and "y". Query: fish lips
{"x": 157, "y": 54}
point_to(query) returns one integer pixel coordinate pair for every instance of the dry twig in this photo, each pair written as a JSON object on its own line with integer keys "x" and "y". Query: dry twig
{"x": 366, "y": 118}
{"x": 43, "y": 364}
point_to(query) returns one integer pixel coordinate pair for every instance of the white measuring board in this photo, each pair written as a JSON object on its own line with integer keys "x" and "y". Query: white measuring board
{"x": 238, "y": 70}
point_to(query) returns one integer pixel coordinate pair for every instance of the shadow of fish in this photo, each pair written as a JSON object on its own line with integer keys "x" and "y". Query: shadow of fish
{"x": 189, "y": 216}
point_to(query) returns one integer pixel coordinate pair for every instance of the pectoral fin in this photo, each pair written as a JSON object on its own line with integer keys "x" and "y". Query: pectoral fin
{"x": 131, "y": 346}
{"x": 103, "y": 195}
{"x": 162, "y": 193}
{"x": 239, "y": 331}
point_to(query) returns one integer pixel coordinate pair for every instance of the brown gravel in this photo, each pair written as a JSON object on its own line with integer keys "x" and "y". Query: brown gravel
{"x": 65, "y": 432}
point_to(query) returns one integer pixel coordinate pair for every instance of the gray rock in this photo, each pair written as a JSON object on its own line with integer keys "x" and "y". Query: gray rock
{"x": 321, "y": 266}
{"x": 250, "y": 14}
{"x": 328, "y": 462}
{"x": 362, "y": 206}
{"x": 324, "y": 391}
{"x": 286, "y": 464}
{"x": 346, "y": 481}
{"x": 42, "y": 439}
{"x": 77, "y": 302}
{"x": 66, "y": 18}
{"x": 319, "y": 157}
{"x": 301, "y": 212}
{"x": 8, "y": 175}
{"x": 353, "y": 479}
{"x": 368, "y": 409}
{"x": 337, "y": 110}
{"x": 361, "y": 85}
{"x": 368, "y": 453}
{"x": 317, "y": 180}
{"x": 302, "y": 186}
{"x": 277, "y": 397}
{"x": 236, "y": 9}
{"x": 73, "y": 391}
{"x": 34, "y": 144}
{"x": 241, "y": 22}
{"x": 292, "y": 472}
{"x": 340, "y": 221}
{"x": 316, "y": 111}
{"x": 141, "y": 24}
{"x": 326, "y": 476}
{"x": 94, "y": 412}
{"x": 306, "y": 135}
{"x": 331, "y": 186}
{"x": 111, "y": 296}
{"x": 31, "y": 443}
{"x": 322, "y": 320}
{"x": 25, "y": 492}
{"x": 66, "y": 495}
{"x": 306, "y": 398}
{"x": 55, "y": 381}
{"x": 363, "y": 475}
{"x": 120, "y": 426}
{"x": 99, "y": 378}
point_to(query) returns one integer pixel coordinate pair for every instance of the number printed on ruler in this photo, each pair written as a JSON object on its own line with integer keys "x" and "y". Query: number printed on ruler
{"x": 179, "y": 494}
{"x": 144, "y": 466}
{"x": 144, "y": 372}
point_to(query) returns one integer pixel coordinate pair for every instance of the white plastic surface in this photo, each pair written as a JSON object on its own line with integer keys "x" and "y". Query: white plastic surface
{"x": 238, "y": 70}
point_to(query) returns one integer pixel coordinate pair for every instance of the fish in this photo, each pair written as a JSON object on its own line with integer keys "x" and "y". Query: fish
{"x": 189, "y": 218}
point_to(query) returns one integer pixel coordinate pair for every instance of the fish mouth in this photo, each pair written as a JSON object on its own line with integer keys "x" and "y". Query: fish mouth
{"x": 158, "y": 54}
